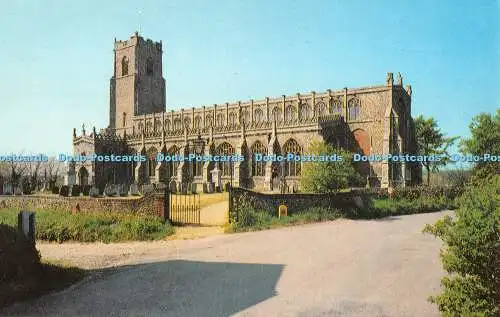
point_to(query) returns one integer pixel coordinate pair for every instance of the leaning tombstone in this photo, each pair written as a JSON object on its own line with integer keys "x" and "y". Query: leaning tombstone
{"x": 134, "y": 190}
{"x": 183, "y": 188}
{"x": 122, "y": 190}
{"x": 172, "y": 186}
{"x": 109, "y": 190}
{"x": 147, "y": 189}
{"x": 26, "y": 225}
{"x": 7, "y": 189}
{"x": 18, "y": 191}
{"x": 94, "y": 192}
{"x": 161, "y": 187}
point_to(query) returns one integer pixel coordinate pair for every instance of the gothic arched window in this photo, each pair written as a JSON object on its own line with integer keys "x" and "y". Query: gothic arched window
{"x": 197, "y": 122}
{"x": 187, "y": 123}
{"x": 354, "y": 108}
{"x": 276, "y": 114}
{"x": 290, "y": 113}
{"x": 337, "y": 107}
{"x": 177, "y": 124}
{"x": 124, "y": 66}
{"x": 304, "y": 112}
{"x": 292, "y": 167}
{"x": 226, "y": 166}
{"x": 258, "y": 116}
{"x": 232, "y": 119}
{"x": 322, "y": 110}
{"x": 209, "y": 121}
{"x": 258, "y": 167}
{"x": 245, "y": 117}
{"x": 220, "y": 120}
{"x": 167, "y": 125}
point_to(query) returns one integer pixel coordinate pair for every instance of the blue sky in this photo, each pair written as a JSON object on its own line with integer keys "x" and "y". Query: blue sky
{"x": 56, "y": 60}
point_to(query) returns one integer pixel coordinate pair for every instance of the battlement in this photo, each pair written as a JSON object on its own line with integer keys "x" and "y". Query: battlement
{"x": 136, "y": 39}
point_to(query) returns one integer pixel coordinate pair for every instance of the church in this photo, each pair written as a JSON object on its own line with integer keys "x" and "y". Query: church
{"x": 367, "y": 120}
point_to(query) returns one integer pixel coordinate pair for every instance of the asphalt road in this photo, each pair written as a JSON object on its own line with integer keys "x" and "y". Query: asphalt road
{"x": 341, "y": 268}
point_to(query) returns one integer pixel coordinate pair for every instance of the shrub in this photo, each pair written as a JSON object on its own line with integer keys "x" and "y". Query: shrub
{"x": 86, "y": 190}
{"x": 471, "y": 254}
{"x": 76, "y": 190}
{"x": 328, "y": 177}
{"x": 55, "y": 190}
{"x": 19, "y": 258}
{"x": 64, "y": 191}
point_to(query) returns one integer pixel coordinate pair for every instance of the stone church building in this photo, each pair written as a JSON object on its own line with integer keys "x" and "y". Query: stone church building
{"x": 368, "y": 120}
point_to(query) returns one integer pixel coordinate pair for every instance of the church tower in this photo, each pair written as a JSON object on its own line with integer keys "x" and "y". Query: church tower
{"x": 137, "y": 86}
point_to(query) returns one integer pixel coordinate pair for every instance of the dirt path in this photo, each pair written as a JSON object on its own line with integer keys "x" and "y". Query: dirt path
{"x": 214, "y": 214}
{"x": 341, "y": 268}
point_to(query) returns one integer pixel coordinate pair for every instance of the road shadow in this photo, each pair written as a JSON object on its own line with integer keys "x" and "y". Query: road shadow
{"x": 169, "y": 288}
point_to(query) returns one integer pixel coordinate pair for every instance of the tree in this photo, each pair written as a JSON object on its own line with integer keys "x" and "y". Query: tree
{"x": 330, "y": 176}
{"x": 431, "y": 141}
{"x": 485, "y": 139}
{"x": 471, "y": 254}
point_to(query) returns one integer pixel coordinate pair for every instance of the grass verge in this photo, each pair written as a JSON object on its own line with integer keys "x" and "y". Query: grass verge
{"x": 105, "y": 227}
{"x": 250, "y": 219}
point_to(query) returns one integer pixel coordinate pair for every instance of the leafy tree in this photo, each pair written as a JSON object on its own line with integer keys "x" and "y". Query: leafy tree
{"x": 471, "y": 254}
{"x": 327, "y": 177}
{"x": 431, "y": 141}
{"x": 485, "y": 139}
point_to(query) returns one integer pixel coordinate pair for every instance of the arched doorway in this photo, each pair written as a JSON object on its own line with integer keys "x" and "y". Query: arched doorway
{"x": 83, "y": 176}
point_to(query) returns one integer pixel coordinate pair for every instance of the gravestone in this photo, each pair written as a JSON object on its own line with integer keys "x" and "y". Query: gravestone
{"x": 183, "y": 188}
{"x": 7, "y": 189}
{"x": 161, "y": 187}
{"x": 94, "y": 192}
{"x": 110, "y": 190}
{"x": 122, "y": 190}
{"x": 147, "y": 189}
{"x": 172, "y": 186}
{"x": 134, "y": 190}
{"x": 18, "y": 190}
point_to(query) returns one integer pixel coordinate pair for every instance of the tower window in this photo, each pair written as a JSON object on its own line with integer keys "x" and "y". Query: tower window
{"x": 124, "y": 66}
{"x": 149, "y": 67}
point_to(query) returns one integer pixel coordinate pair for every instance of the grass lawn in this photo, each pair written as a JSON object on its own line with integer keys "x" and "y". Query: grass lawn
{"x": 92, "y": 227}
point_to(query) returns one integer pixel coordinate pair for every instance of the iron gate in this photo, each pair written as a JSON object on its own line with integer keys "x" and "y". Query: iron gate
{"x": 184, "y": 208}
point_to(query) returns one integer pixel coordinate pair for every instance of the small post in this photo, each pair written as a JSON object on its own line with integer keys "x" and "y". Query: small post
{"x": 282, "y": 211}
{"x": 26, "y": 225}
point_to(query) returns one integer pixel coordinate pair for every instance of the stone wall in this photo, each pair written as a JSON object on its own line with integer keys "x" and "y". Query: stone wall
{"x": 347, "y": 202}
{"x": 143, "y": 205}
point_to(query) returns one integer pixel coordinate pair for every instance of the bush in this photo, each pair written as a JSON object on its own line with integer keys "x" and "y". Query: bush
{"x": 86, "y": 190}
{"x": 471, "y": 254}
{"x": 64, "y": 191}
{"x": 328, "y": 177}
{"x": 19, "y": 258}
{"x": 55, "y": 190}
{"x": 75, "y": 190}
